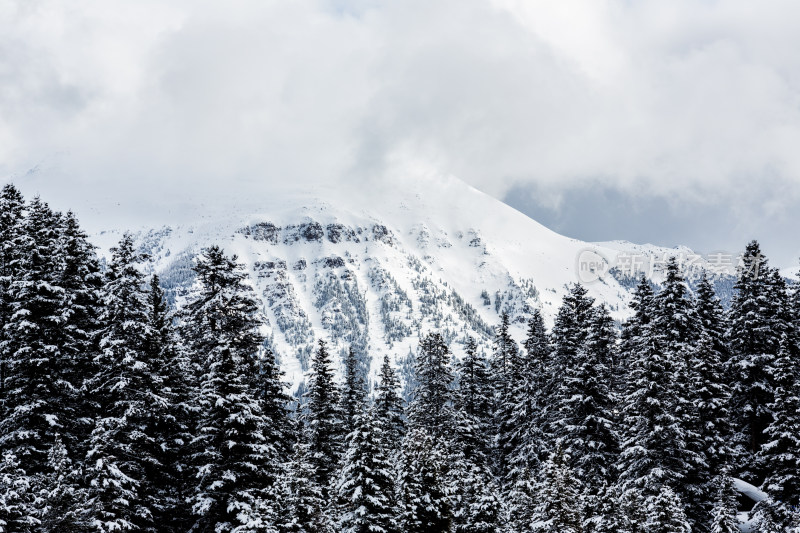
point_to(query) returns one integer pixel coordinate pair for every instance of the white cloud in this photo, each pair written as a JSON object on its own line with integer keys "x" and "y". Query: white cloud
{"x": 681, "y": 99}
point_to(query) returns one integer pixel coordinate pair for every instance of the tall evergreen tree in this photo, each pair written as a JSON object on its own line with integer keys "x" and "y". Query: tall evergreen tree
{"x": 236, "y": 466}
{"x": 426, "y": 505}
{"x": 432, "y": 407}
{"x": 170, "y": 426}
{"x": 353, "y": 391}
{"x": 389, "y": 406}
{"x": 12, "y": 206}
{"x": 38, "y": 403}
{"x": 473, "y": 401}
{"x": 306, "y": 509}
{"x": 754, "y": 337}
{"x": 17, "y": 498}
{"x": 366, "y": 484}
{"x": 586, "y": 425}
{"x": 323, "y": 419}
{"x": 711, "y": 383}
{"x": 559, "y": 507}
{"x": 665, "y": 513}
{"x": 723, "y": 517}
{"x": 531, "y": 401}
{"x": 781, "y": 451}
{"x": 280, "y": 429}
{"x": 121, "y": 448}
{"x": 675, "y": 331}
{"x": 505, "y": 378}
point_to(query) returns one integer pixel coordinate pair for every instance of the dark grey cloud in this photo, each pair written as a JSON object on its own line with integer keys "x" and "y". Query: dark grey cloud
{"x": 692, "y": 103}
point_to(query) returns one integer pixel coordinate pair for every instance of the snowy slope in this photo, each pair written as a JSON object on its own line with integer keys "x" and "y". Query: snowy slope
{"x": 377, "y": 268}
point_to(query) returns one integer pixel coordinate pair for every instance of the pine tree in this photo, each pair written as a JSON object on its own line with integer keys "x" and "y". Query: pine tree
{"x": 236, "y": 466}
{"x": 366, "y": 485}
{"x": 306, "y": 510}
{"x": 782, "y": 449}
{"x": 559, "y": 506}
{"x": 586, "y": 425}
{"x": 280, "y": 430}
{"x": 323, "y": 419}
{"x": 170, "y": 424}
{"x": 432, "y": 407}
{"x": 82, "y": 282}
{"x": 473, "y": 402}
{"x": 389, "y": 407}
{"x": 674, "y": 329}
{"x": 65, "y": 501}
{"x": 665, "y": 513}
{"x": 122, "y": 448}
{"x": 17, "y": 500}
{"x": 425, "y": 501}
{"x": 353, "y": 391}
{"x": 12, "y": 206}
{"x": 754, "y": 336}
{"x": 37, "y": 391}
{"x": 522, "y": 502}
{"x": 476, "y": 498}
{"x": 505, "y": 378}
{"x": 711, "y": 384}
{"x": 723, "y": 518}
{"x": 531, "y": 401}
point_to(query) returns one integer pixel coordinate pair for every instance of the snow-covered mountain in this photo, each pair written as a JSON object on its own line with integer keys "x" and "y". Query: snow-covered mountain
{"x": 376, "y": 269}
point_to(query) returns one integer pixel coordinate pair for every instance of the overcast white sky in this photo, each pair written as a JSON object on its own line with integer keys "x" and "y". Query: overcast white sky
{"x": 670, "y": 122}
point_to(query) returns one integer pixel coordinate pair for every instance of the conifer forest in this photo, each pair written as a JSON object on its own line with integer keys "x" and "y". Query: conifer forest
{"x": 122, "y": 411}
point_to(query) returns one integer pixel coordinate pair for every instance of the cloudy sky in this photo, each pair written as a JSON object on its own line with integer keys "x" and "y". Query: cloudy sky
{"x": 666, "y": 122}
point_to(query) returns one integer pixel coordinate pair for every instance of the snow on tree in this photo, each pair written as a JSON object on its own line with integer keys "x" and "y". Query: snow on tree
{"x": 558, "y": 497}
{"x": 425, "y": 503}
{"x": 723, "y": 516}
{"x": 505, "y": 378}
{"x": 236, "y": 465}
{"x": 17, "y": 498}
{"x": 353, "y": 391}
{"x": 389, "y": 406}
{"x": 473, "y": 402}
{"x": 37, "y": 401}
{"x": 665, "y": 513}
{"x": 754, "y": 331}
{"x": 432, "y": 407}
{"x": 528, "y": 418}
{"x": 12, "y": 206}
{"x": 365, "y": 485}
{"x": 306, "y": 508}
{"x": 323, "y": 419}
{"x": 586, "y": 402}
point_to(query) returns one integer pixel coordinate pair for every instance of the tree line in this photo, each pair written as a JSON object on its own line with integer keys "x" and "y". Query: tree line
{"x": 121, "y": 414}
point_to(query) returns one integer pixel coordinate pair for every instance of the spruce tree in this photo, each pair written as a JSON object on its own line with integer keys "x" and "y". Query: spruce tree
{"x": 711, "y": 383}
{"x": 323, "y": 419}
{"x": 432, "y": 407}
{"x": 307, "y": 510}
{"x": 64, "y": 500}
{"x": 12, "y": 206}
{"x": 473, "y": 402}
{"x": 505, "y": 378}
{"x": 665, "y": 513}
{"x": 236, "y": 466}
{"x": 675, "y": 331}
{"x": 586, "y": 425}
{"x": 723, "y": 516}
{"x": 353, "y": 391}
{"x": 281, "y": 429}
{"x": 529, "y": 420}
{"x": 754, "y": 336}
{"x": 38, "y": 394}
{"x": 366, "y": 484}
{"x": 126, "y": 389}
{"x": 559, "y": 506}
{"x": 389, "y": 407}
{"x": 424, "y": 489}
{"x": 781, "y": 451}
{"x": 17, "y": 498}
{"x": 170, "y": 426}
